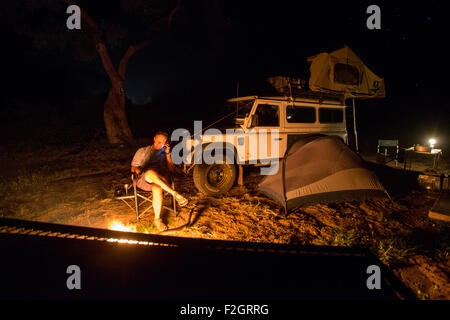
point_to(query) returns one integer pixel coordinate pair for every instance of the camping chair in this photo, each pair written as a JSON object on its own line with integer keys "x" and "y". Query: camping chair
{"x": 387, "y": 151}
{"x": 139, "y": 197}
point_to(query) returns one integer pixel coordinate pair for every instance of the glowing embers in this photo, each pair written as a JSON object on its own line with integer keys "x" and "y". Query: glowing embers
{"x": 119, "y": 226}
{"x": 143, "y": 243}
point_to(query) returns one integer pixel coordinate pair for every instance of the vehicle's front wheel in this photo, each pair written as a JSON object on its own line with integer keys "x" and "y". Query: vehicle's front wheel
{"x": 214, "y": 179}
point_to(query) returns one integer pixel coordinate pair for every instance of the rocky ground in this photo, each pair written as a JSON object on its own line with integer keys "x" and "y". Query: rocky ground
{"x": 75, "y": 184}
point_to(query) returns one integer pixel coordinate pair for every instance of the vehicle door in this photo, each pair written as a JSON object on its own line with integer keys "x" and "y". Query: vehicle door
{"x": 267, "y": 140}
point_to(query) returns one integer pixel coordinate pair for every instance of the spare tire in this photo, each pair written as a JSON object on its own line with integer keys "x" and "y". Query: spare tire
{"x": 214, "y": 179}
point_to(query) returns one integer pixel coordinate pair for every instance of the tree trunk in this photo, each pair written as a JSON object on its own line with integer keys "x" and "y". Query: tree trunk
{"x": 115, "y": 117}
{"x": 114, "y": 114}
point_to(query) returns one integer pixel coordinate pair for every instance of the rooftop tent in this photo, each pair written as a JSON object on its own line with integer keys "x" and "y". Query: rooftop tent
{"x": 343, "y": 71}
{"x": 321, "y": 169}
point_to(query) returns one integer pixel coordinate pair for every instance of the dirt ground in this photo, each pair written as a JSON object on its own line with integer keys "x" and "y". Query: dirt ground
{"x": 75, "y": 184}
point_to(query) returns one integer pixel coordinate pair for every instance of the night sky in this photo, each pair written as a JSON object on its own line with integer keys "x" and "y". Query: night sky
{"x": 189, "y": 71}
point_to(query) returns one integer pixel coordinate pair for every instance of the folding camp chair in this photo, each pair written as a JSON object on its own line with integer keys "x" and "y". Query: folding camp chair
{"x": 387, "y": 151}
{"x": 139, "y": 197}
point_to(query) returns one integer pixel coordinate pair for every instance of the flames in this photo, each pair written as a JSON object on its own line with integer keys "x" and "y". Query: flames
{"x": 119, "y": 226}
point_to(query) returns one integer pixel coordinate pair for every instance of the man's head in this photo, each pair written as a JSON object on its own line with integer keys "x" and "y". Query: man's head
{"x": 159, "y": 140}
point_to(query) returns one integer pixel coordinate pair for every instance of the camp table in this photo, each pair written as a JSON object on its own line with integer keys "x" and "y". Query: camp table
{"x": 436, "y": 153}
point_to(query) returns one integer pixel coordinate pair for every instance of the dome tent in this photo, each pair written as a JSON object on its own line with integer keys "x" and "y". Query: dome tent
{"x": 321, "y": 169}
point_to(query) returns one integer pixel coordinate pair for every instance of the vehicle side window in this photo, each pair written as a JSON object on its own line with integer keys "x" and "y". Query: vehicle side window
{"x": 299, "y": 114}
{"x": 328, "y": 115}
{"x": 267, "y": 115}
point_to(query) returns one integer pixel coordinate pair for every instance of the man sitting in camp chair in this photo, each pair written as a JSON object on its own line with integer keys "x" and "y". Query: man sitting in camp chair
{"x": 151, "y": 165}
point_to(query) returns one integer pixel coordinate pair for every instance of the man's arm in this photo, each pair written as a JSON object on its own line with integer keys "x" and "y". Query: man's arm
{"x": 140, "y": 158}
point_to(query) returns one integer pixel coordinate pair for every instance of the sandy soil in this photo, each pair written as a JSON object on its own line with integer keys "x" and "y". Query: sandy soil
{"x": 75, "y": 184}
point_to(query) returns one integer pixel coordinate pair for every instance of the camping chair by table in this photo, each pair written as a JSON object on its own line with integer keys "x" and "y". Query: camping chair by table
{"x": 387, "y": 151}
{"x": 139, "y": 197}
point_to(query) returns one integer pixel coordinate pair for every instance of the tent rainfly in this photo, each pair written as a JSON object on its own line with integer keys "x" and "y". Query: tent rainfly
{"x": 321, "y": 169}
{"x": 343, "y": 71}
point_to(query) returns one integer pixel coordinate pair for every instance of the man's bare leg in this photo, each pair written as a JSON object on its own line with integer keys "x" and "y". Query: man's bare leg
{"x": 157, "y": 200}
{"x": 157, "y": 205}
{"x": 152, "y": 176}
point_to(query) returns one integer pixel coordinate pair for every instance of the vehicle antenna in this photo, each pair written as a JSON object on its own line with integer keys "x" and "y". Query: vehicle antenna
{"x": 237, "y": 96}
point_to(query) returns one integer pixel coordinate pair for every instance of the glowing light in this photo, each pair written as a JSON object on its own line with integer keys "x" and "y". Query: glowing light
{"x": 127, "y": 241}
{"x": 432, "y": 142}
{"x": 119, "y": 226}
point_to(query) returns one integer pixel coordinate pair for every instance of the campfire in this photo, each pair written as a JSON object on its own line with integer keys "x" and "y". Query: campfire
{"x": 119, "y": 226}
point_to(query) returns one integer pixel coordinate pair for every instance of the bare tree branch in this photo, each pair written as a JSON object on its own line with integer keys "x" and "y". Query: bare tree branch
{"x": 107, "y": 63}
{"x": 128, "y": 54}
{"x": 174, "y": 11}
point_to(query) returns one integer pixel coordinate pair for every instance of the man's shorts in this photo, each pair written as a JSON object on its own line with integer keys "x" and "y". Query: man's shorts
{"x": 143, "y": 184}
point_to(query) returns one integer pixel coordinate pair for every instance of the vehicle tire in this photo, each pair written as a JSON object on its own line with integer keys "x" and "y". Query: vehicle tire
{"x": 214, "y": 179}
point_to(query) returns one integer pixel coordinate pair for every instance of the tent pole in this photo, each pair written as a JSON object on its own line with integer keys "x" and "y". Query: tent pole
{"x": 354, "y": 125}
{"x": 284, "y": 185}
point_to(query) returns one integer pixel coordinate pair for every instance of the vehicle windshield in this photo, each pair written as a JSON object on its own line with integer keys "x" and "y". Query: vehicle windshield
{"x": 243, "y": 107}
{"x": 231, "y": 111}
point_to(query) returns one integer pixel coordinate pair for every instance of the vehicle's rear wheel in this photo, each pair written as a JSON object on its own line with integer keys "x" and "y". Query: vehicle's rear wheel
{"x": 214, "y": 179}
